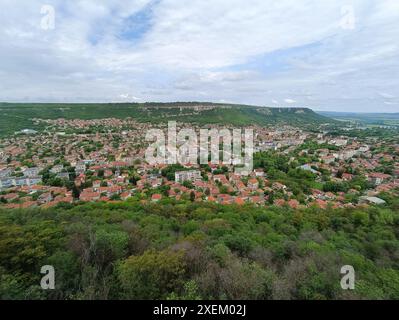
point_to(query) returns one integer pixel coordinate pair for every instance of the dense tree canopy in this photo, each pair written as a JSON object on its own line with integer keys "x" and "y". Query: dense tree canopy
{"x": 189, "y": 250}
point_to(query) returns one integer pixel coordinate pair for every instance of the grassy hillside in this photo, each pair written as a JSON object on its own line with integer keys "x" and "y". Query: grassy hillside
{"x": 14, "y": 117}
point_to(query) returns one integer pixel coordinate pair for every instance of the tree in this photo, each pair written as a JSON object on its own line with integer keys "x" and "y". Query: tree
{"x": 115, "y": 197}
{"x": 188, "y": 184}
{"x": 153, "y": 275}
{"x": 169, "y": 171}
{"x": 190, "y": 292}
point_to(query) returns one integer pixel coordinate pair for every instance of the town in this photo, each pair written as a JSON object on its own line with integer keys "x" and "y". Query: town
{"x": 77, "y": 160}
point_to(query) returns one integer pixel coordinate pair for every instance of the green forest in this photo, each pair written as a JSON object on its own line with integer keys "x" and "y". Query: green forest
{"x": 187, "y": 250}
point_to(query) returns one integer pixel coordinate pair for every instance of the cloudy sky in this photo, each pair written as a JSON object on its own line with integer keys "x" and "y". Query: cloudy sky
{"x": 327, "y": 55}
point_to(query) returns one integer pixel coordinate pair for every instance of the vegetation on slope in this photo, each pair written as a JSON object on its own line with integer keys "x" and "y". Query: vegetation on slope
{"x": 14, "y": 117}
{"x": 184, "y": 250}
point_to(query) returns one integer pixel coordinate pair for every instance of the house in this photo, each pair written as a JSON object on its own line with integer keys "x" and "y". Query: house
{"x": 111, "y": 190}
{"x": 240, "y": 185}
{"x": 279, "y": 202}
{"x": 108, "y": 173}
{"x": 328, "y": 159}
{"x": 256, "y": 200}
{"x": 125, "y": 195}
{"x": 6, "y": 183}
{"x": 347, "y": 177}
{"x": 293, "y": 203}
{"x": 110, "y": 183}
{"x": 141, "y": 184}
{"x": 10, "y": 197}
{"x": 363, "y": 149}
{"x": 347, "y": 154}
{"x": 4, "y": 173}
{"x": 220, "y": 178}
{"x": 225, "y": 199}
{"x": 119, "y": 164}
{"x": 31, "y": 172}
{"x": 88, "y": 162}
{"x": 321, "y": 203}
{"x": 28, "y": 131}
{"x": 63, "y": 175}
{"x": 120, "y": 180}
{"x": 21, "y": 181}
{"x": 371, "y": 200}
{"x": 385, "y": 187}
{"x": 155, "y": 182}
{"x": 329, "y": 196}
{"x": 308, "y": 167}
{"x": 267, "y": 145}
{"x": 253, "y": 184}
{"x": 34, "y": 180}
{"x": 156, "y": 197}
{"x": 323, "y": 152}
{"x": 200, "y": 184}
{"x": 80, "y": 168}
{"x": 96, "y": 184}
{"x": 68, "y": 199}
{"x": 278, "y": 186}
{"x": 377, "y": 178}
{"x": 89, "y": 196}
{"x": 80, "y": 180}
{"x": 45, "y": 198}
{"x": 57, "y": 169}
{"x": 317, "y": 194}
{"x": 339, "y": 142}
{"x": 259, "y": 172}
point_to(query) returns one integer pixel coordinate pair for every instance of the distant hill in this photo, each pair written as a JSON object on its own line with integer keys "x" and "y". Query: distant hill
{"x": 379, "y": 119}
{"x": 17, "y": 116}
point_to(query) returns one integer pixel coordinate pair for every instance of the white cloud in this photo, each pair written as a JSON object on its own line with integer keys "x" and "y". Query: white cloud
{"x": 251, "y": 51}
{"x": 386, "y": 95}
